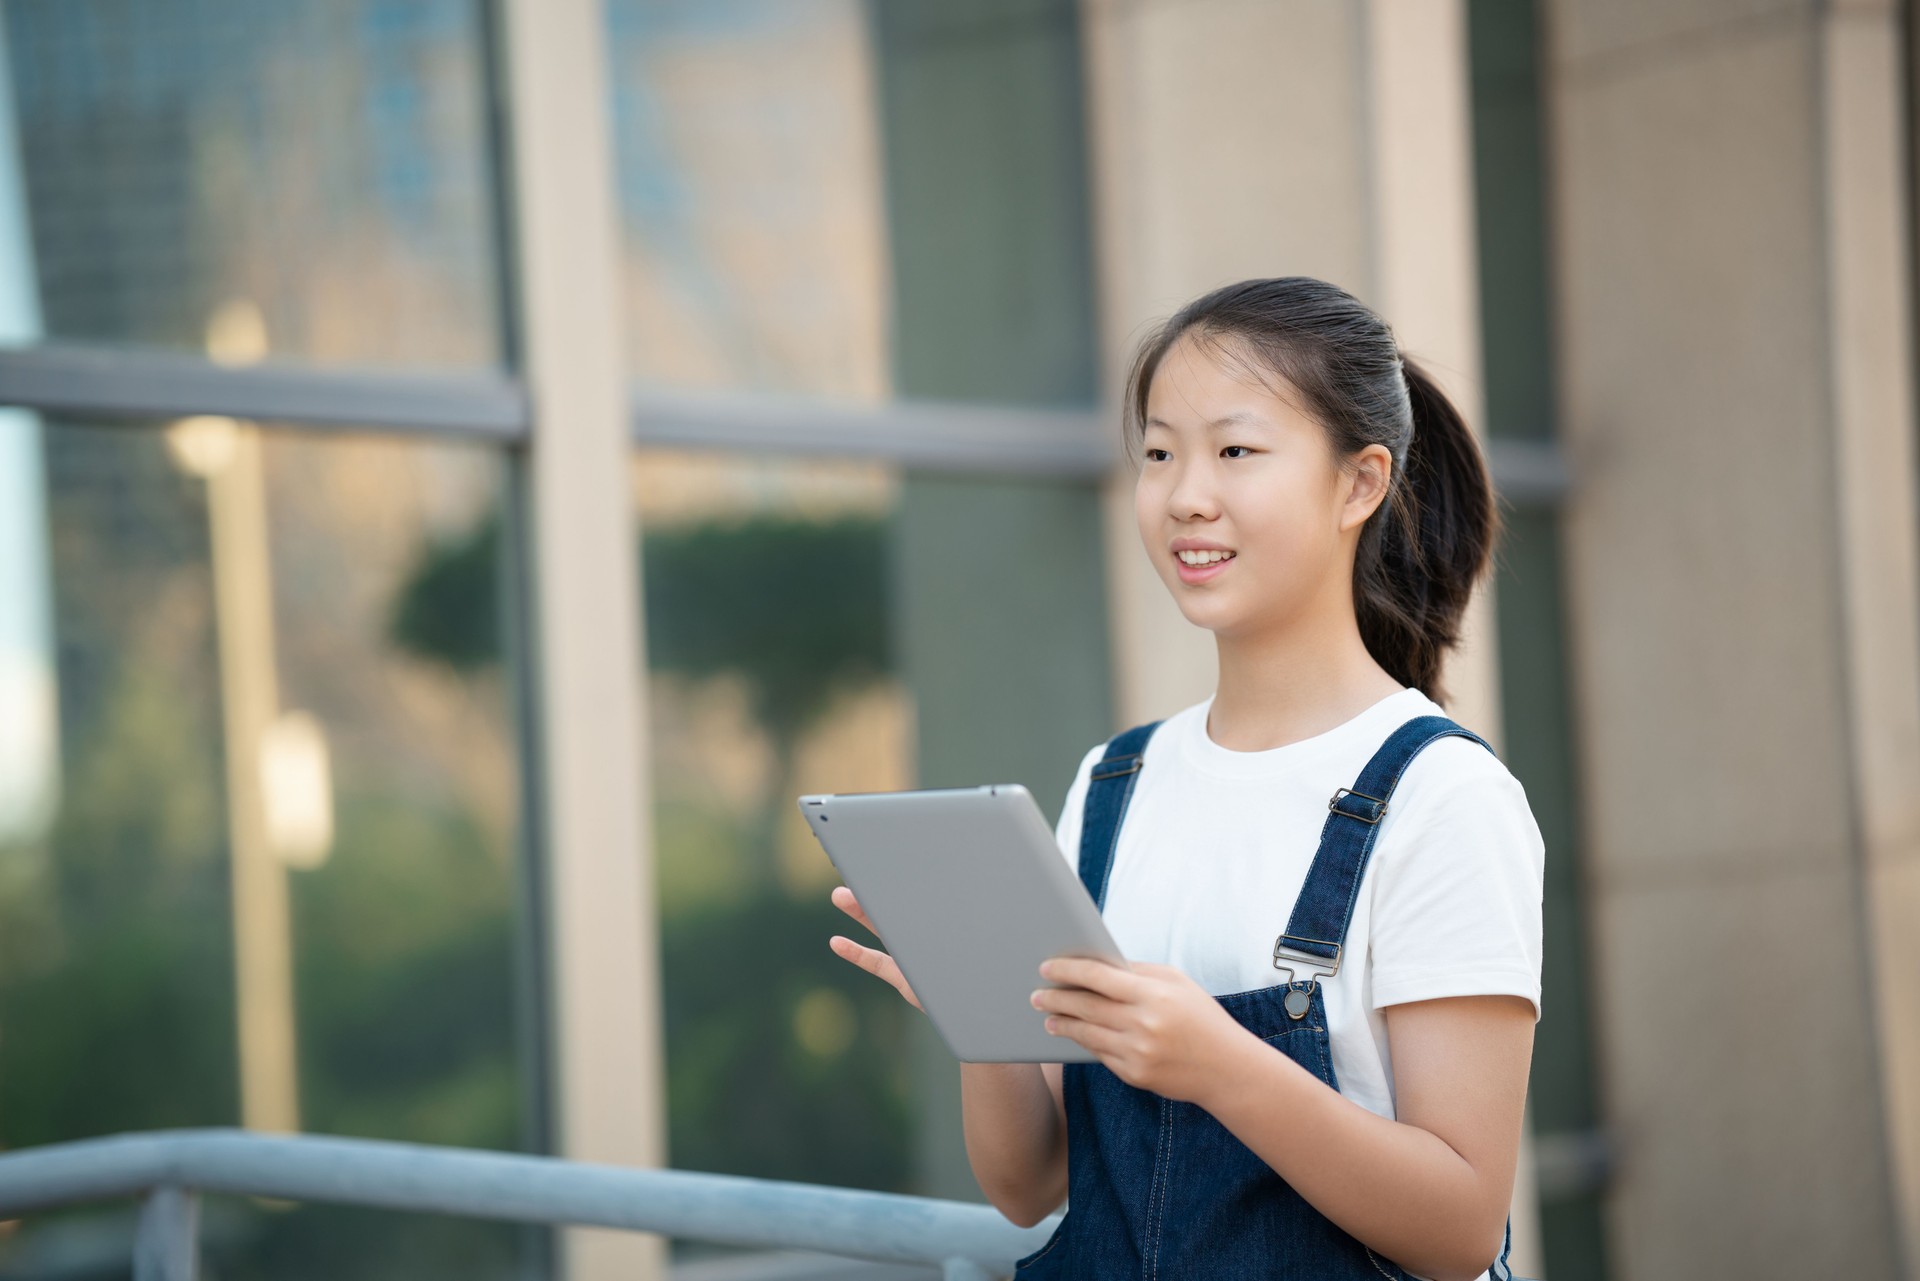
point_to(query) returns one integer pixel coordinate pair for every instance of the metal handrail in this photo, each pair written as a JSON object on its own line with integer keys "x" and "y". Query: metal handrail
{"x": 170, "y": 1168}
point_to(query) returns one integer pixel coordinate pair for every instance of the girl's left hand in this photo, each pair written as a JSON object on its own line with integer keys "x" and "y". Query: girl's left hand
{"x": 1151, "y": 1025}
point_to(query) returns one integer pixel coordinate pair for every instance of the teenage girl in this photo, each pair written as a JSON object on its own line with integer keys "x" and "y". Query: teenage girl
{"x": 1316, "y": 1064}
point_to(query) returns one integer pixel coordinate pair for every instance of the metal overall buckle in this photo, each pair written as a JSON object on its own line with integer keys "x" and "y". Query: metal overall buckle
{"x": 1297, "y": 1002}
{"x": 1375, "y": 812}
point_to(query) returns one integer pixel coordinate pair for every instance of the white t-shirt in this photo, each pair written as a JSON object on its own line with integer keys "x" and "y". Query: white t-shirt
{"x": 1216, "y": 844}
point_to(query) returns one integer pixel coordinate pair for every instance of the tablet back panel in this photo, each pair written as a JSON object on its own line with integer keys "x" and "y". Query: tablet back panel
{"x": 969, "y": 893}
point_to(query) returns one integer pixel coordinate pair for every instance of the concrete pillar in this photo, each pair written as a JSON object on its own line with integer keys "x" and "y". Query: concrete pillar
{"x": 1870, "y": 341}
{"x": 1734, "y": 344}
{"x": 607, "y": 1059}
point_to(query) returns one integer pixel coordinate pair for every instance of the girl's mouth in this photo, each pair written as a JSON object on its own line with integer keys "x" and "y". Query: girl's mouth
{"x": 1215, "y": 564}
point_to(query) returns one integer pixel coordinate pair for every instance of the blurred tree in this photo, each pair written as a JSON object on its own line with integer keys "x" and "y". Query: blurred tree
{"x": 797, "y": 607}
{"x": 449, "y": 608}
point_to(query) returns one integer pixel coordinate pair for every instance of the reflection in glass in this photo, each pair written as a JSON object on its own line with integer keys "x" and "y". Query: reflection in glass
{"x": 281, "y": 885}
{"x": 837, "y": 627}
{"x": 29, "y": 755}
{"x": 772, "y": 673}
{"x": 320, "y": 160}
{"x": 756, "y": 244}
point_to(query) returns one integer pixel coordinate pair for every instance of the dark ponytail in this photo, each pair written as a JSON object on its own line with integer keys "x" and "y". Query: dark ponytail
{"x": 1427, "y": 545}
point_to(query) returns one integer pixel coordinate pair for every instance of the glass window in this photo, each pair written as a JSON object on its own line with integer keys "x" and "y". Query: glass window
{"x": 273, "y": 873}
{"x": 839, "y": 627}
{"x": 772, "y": 672}
{"x": 859, "y": 201}
{"x": 754, "y": 216}
{"x": 855, "y": 201}
{"x": 314, "y": 171}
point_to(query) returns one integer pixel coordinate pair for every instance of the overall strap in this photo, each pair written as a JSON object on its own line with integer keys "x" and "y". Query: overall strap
{"x": 1109, "y": 788}
{"x": 1318, "y": 926}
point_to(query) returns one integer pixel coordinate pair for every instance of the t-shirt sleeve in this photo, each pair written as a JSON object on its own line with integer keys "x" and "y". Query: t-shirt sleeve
{"x": 1457, "y": 883}
{"x": 1066, "y": 831}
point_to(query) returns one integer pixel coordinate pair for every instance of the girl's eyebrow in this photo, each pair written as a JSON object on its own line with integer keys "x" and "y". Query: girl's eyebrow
{"x": 1237, "y": 418}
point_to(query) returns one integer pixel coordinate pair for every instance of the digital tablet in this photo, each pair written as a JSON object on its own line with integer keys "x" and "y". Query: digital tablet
{"x": 969, "y": 893}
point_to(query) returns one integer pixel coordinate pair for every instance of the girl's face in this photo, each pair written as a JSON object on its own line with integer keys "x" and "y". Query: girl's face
{"x": 1242, "y": 507}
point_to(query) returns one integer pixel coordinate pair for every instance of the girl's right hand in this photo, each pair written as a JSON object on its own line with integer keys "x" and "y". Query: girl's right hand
{"x": 872, "y": 960}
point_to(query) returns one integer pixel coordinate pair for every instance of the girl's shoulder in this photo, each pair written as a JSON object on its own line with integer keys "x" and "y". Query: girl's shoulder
{"x": 1458, "y": 811}
{"x": 1458, "y": 767}
{"x": 1446, "y": 764}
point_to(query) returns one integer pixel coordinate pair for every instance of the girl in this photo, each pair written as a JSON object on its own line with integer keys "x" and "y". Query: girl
{"x": 1317, "y": 1066}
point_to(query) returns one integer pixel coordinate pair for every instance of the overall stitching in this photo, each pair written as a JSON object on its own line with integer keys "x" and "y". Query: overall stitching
{"x": 1126, "y": 796}
{"x": 1163, "y": 1159}
{"x": 1059, "y": 1235}
{"x": 1374, "y": 1259}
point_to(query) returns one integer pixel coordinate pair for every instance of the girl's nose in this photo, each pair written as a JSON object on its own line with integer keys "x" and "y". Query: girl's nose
{"x": 1192, "y": 496}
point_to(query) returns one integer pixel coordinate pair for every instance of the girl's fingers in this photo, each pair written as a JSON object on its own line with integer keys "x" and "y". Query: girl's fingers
{"x": 876, "y": 963}
{"x": 1077, "y": 1003}
{"x": 873, "y": 962}
{"x": 1098, "y": 976}
{"x": 844, "y": 900}
{"x": 1102, "y": 1041}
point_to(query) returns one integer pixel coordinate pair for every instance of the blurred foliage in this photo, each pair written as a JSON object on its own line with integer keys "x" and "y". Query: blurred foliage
{"x": 450, "y": 607}
{"x": 405, "y": 980}
{"x": 131, "y": 920}
{"x": 404, "y": 989}
{"x": 116, "y": 939}
{"x": 748, "y": 1095}
{"x": 797, "y": 609}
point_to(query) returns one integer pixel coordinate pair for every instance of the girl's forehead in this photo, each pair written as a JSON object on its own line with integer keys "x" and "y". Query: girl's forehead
{"x": 1216, "y": 380}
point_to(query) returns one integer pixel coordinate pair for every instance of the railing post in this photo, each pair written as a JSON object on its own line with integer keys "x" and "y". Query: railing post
{"x": 964, "y": 1270}
{"x": 167, "y": 1246}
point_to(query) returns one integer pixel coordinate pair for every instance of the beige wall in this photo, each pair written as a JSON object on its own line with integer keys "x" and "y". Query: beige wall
{"x": 1731, "y": 662}
{"x": 1870, "y": 341}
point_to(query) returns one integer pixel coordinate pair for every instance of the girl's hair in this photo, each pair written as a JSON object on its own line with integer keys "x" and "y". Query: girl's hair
{"x": 1431, "y": 539}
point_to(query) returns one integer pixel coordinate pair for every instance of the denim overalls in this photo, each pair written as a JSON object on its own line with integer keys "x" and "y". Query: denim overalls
{"x": 1159, "y": 1188}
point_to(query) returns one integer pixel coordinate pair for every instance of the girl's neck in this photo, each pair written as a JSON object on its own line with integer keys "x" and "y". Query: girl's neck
{"x": 1281, "y": 687}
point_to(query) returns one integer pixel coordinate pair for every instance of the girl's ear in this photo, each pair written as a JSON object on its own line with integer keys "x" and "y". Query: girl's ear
{"x": 1366, "y": 485}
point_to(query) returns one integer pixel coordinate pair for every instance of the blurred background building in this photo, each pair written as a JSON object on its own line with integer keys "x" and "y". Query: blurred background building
{"x": 465, "y": 466}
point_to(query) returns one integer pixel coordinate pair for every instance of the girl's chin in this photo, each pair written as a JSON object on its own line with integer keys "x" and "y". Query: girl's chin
{"x": 1214, "y": 615}
{"x": 1226, "y": 617}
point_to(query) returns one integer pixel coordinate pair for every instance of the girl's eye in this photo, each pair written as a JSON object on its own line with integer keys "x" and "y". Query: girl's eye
{"x": 1157, "y": 455}
{"x": 1244, "y": 451}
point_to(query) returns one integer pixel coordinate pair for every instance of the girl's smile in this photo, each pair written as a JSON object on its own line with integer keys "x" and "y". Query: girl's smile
{"x": 1199, "y": 561}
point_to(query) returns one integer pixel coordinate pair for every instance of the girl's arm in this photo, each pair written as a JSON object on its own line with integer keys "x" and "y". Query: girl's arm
{"x": 1429, "y": 1191}
{"x": 1016, "y": 1135}
{"x": 1013, "y": 1115}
